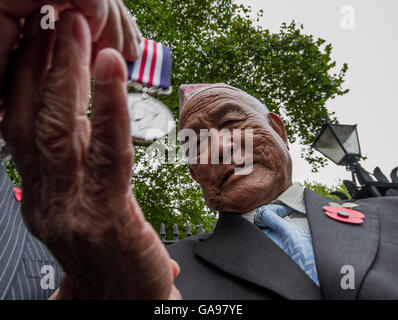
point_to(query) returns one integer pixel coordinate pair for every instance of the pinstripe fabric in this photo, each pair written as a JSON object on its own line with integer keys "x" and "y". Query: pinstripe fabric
{"x": 26, "y": 284}
{"x": 22, "y": 256}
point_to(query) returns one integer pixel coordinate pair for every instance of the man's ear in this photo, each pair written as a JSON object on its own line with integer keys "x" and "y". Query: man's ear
{"x": 277, "y": 124}
{"x": 193, "y": 174}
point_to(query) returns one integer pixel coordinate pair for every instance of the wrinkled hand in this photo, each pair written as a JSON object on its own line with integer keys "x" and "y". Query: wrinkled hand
{"x": 75, "y": 172}
{"x": 110, "y": 22}
{"x": 67, "y": 292}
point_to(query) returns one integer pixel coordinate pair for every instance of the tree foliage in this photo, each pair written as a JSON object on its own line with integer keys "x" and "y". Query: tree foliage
{"x": 325, "y": 190}
{"x": 217, "y": 41}
{"x": 167, "y": 194}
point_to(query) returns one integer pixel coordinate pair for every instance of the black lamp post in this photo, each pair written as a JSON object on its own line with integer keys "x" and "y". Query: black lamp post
{"x": 340, "y": 144}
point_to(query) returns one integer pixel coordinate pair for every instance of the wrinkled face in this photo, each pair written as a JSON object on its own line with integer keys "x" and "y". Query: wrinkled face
{"x": 227, "y": 108}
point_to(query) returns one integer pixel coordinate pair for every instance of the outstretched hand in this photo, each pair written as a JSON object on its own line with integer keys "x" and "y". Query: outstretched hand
{"x": 76, "y": 172}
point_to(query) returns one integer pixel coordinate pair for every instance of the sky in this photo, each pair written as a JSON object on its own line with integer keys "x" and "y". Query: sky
{"x": 364, "y": 34}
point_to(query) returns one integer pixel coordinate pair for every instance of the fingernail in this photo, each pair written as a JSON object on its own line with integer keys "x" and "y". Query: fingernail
{"x": 104, "y": 67}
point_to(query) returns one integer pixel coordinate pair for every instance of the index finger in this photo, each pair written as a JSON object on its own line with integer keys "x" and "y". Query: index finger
{"x": 96, "y": 13}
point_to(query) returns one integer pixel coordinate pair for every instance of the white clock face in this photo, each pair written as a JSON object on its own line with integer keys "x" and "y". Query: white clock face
{"x": 150, "y": 119}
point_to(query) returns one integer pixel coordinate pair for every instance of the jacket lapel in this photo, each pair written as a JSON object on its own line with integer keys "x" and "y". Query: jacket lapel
{"x": 340, "y": 245}
{"x": 242, "y": 250}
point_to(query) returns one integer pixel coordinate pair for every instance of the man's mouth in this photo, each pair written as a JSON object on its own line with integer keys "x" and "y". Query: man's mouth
{"x": 229, "y": 173}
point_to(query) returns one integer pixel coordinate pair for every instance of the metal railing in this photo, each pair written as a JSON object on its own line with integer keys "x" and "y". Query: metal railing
{"x": 176, "y": 233}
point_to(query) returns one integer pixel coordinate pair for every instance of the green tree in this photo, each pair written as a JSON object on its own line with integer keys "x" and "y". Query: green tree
{"x": 166, "y": 193}
{"x": 325, "y": 190}
{"x": 217, "y": 41}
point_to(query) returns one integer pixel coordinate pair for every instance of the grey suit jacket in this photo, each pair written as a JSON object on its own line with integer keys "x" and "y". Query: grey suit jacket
{"x": 26, "y": 266}
{"x": 237, "y": 261}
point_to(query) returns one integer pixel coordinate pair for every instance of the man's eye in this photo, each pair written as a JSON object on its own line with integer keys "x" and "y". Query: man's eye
{"x": 230, "y": 122}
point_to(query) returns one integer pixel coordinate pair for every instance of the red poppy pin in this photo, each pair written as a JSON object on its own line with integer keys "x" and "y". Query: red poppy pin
{"x": 344, "y": 214}
{"x": 18, "y": 194}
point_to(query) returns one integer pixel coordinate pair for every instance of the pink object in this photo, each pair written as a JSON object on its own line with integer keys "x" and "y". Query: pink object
{"x": 18, "y": 194}
{"x": 344, "y": 214}
{"x": 187, "y": 91}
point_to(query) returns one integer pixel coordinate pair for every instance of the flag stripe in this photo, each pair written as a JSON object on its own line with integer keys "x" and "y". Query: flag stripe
{"x": 158, "y": 68}
{"x": 153, "y": 64}
{"x": 148, "y": 62}
{"x": 153, "y": 67}
{"x": 166, "y": 68}
{"x": 135, "y": 70}
{"x": 143, "y": 62}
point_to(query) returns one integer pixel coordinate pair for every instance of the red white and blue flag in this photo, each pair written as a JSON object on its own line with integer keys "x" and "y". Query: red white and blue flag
{"x": 153, "y": 67}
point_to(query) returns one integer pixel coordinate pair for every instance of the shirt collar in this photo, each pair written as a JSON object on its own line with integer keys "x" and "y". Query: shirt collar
{"x": 292, "y": 197}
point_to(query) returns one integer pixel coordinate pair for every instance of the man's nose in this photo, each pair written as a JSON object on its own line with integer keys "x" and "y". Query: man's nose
{"x": 225, "y": 148}
{"x": 221, "y": 146}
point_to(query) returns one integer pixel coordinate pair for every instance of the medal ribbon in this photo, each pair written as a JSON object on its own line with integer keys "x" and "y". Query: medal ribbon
{"x": 153, "y": 67}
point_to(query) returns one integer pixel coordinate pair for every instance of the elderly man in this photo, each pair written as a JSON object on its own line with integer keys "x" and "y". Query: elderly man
{"x": 274, "y": 238}
{"x": 99, "y": 234}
